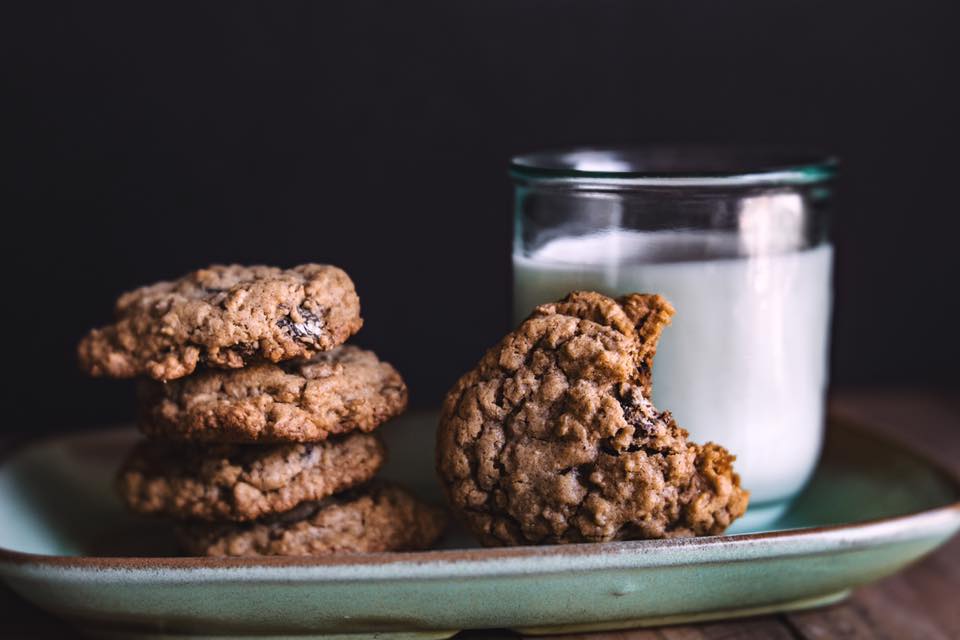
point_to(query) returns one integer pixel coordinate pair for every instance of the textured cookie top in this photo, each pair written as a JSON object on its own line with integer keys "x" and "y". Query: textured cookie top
{"x": 372, "y": 519}
{"x": 334, "y": 392}
{"x": 551, "y": 437}
{"x": 225, "y": 317}
{"x": 237, "y": 482}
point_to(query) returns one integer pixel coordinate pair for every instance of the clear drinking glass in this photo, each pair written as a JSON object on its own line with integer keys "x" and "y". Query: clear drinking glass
{"x": 738, "y": 241}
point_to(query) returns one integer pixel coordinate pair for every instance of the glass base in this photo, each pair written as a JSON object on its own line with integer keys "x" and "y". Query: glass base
{"x": 760, "y": 517}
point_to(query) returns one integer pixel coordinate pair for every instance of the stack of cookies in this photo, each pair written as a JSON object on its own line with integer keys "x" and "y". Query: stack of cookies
{"x": 259, "y": 418}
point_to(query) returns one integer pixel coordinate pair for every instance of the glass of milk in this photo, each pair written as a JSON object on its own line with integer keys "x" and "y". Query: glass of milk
{"x": 737, "y": 240}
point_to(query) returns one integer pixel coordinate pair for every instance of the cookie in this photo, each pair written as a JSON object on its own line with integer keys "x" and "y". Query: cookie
{"x": 238, "y": 482}
{"x": 373, "y": 519}
{"x": 224, "y": 317}
{"x": 552, "y": 437}
{"x": 334, "y": 392}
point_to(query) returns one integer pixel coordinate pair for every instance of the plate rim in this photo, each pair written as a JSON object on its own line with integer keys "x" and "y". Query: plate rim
{"x": 862, "y": 532}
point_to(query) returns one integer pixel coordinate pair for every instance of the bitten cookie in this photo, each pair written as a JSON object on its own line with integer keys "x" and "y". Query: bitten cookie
{"x": 224, "y": 317}
{"x": 334, "y": 392}
{"x": 552, "y": 438}
{"x": 376, "y": 518}
{"x": 237, "y": 482}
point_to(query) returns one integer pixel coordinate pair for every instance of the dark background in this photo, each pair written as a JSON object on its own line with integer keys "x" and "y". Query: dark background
{"x": 147, "y": 139}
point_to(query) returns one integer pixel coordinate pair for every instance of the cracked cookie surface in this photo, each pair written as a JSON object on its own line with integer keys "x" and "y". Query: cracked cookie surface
{"x": 224, "y": 317}
{"x": 380, "y": 517}
{"x": 552, "y": 438}
{"x": 333, "y": 392}
{"x": 237, "y": 482}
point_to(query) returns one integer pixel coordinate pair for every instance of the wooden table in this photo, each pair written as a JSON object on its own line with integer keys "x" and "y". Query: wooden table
{"x": 920, "y": 602}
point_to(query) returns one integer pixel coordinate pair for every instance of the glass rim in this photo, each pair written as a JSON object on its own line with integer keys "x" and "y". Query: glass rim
{"x": 675, "y": 165}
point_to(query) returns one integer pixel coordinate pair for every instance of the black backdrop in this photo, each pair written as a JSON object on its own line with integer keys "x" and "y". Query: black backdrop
{"x": 149, "y": 138}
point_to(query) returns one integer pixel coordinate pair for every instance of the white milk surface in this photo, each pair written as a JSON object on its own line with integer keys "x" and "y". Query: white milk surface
{"x": 744, "y": 361}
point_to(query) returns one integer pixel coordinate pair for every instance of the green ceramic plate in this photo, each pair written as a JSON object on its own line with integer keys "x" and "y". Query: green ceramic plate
{"x": 68, "y": 546}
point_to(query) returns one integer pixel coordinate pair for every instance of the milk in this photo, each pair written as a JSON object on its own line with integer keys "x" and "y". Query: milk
{"x": 744, "y": 361}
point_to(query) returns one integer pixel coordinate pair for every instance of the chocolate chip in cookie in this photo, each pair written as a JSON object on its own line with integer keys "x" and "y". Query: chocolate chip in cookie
{"x": 552, "y": 438}
{"x": 224, "y": 317}
{"x": 333, "y": 392}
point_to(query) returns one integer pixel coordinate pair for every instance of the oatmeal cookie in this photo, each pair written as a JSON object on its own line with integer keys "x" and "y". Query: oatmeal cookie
{"x": 552, "y": 438}
{"x": 224, "y": 317}
{"x": 241, "y": 482}
{"x": 333, "y": 392}
{"x": 372, "y": 519}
